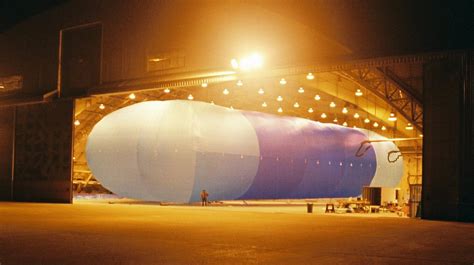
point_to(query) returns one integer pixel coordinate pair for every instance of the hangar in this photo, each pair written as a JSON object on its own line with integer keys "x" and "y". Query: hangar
{"x": 65, "y": 69}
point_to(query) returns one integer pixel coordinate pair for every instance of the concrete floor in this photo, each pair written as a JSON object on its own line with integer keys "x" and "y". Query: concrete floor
{"x": 87, "y": 233}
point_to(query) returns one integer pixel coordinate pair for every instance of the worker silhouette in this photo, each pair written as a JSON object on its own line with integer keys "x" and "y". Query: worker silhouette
{"x": 204, "y": 196}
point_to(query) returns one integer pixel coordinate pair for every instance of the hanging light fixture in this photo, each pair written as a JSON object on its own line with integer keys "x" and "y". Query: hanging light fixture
{"x": 232, "y": 108}
{"x": 101, "y": 106}
{"x": 392, "y": 117}
{"x": 367, "y": 120}
{"x": 296, "y": 105}
{"x": 280, "y": 98}
{"x": 344, "y": 124}
{"x": 345, "y": 110}
{"x": 77, "y": 122}
{"x": 234, "y": 63}
{"x": 409, "y": 127}
{"x": 310, "y": 110}
{"x": 332, "y": 104}
{"x": 335, "y": 120}
{"x": 282, "y": 81}
{"x": 190, "y": 97}
{"x": 324, "y": 116}
{"x": 301, "y": 90}
{"x": 359, "y": 93}
{"x": 225, "y": 91}
{"x": 204, "y": 85}
{"x": 280, "y": 110}
{"x": 212, "y": 102}
{"x": 384, "y": 128}
{"x": 355, "y": 127}
{"x": 132, "y": 96}
{"x": 166, "y": 90}
{"x": 261, "y": 91}
{"x": 310, "y": 76}
{"x": 356, "y": 115}
{"x": 317, "y": 98}
{"x": 376, "y": 124}
{"x": 264, "y": 104}
{"x": 240, "y": 83}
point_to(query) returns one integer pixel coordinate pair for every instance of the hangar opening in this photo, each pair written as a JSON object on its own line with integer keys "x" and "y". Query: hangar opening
{"x": 381, "y": 99}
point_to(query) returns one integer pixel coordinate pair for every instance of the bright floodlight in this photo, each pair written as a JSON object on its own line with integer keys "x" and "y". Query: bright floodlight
{"x": 252, "y": 62}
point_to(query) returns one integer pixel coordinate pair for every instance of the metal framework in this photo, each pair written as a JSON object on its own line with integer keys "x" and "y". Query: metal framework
{"x": 387, "y": 85}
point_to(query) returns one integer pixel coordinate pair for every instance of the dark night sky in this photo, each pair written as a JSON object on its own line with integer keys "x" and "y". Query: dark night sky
{"x": 366, "y": 26}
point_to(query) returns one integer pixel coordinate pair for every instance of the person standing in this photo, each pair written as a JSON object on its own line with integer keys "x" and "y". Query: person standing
{"x": 204, "y": 196}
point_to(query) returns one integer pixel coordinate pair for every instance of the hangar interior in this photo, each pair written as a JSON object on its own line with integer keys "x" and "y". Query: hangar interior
{"x": 385, "y": 99}
{"x": 63, "y": 70}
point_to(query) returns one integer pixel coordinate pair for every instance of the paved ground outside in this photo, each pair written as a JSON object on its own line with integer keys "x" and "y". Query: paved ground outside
{"x": 93, "y": 233}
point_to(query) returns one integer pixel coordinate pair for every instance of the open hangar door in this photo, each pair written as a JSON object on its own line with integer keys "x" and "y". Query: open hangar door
{"x": 36, "y": 152}
{"x": 374, "y": 95}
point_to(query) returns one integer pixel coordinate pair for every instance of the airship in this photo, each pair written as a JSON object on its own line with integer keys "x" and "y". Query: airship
{"x": 171, "y": 150}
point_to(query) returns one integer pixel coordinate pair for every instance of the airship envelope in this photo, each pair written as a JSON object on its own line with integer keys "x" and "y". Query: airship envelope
{"x": 171, "y": 150}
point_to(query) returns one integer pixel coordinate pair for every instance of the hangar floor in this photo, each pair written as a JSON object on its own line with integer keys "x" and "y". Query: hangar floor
{"x": 91, "y": 233}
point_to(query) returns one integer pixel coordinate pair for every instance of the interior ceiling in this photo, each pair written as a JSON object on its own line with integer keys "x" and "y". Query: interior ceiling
{"x": 337, "y": 87}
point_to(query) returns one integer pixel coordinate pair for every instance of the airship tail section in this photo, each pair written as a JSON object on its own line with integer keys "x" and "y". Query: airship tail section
{"x": 388, "y": 173}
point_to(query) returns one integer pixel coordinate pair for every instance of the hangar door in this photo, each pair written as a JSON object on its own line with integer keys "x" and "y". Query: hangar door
{"x": 43, "y": 152}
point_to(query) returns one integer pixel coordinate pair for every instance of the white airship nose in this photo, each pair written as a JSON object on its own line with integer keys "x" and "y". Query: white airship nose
{"x": 170, "y": 151}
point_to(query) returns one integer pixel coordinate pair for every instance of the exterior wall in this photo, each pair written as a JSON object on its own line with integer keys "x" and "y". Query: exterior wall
{"x": 207, "y": 35}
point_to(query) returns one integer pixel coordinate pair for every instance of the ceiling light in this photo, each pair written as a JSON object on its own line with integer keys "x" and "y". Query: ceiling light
{"x": 77, "y": 122}
{"x": 234, "y": 63}
{"x": 279, "y": 98}
{"x": 384, "y": 128}
{"x": 356, "y": 115}
{"x": 204, "y": 85}
{"x": 296, "y": 105}
{"x": 376, "y": 124}
{"x": 344, "y": 124}
{"x": 264, "y": 104}
{"x": 280, "y": 110}
{"x": 190, "y": 97}
{"x": 131, "y": 96}
{"x": 282, "y": 81}
{"x": 225, "y": 92}
{"x": 409, "y": 127}
{"x": 421, "y": 135}
{"x": 310, "y": 76}
{"x": 317, "y": 97}
{"x": 344, "y": 110}
{"x": 335, "y": 120}
{"x": 240, "y": 83}
{"x": 358, "y": 93}
{"x": 324, "y": 115}
{"x": 332, "y": 104}
{"x": 367, "y": 120}
{"x": 232, "y": 108}
{"x": 212, "y": 103}
{"x": 355, "y": 127}
{"x": 310, "y": 110}
{"x": 392, "y": 117}
{"x": 101, "y": 106}
{"x": 167, "y": 90}
{"x": 301, "y": 90}
{"x": 261, "y": 91}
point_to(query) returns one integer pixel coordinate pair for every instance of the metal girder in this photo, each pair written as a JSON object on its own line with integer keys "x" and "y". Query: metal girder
{"x": 391, "y": 88}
